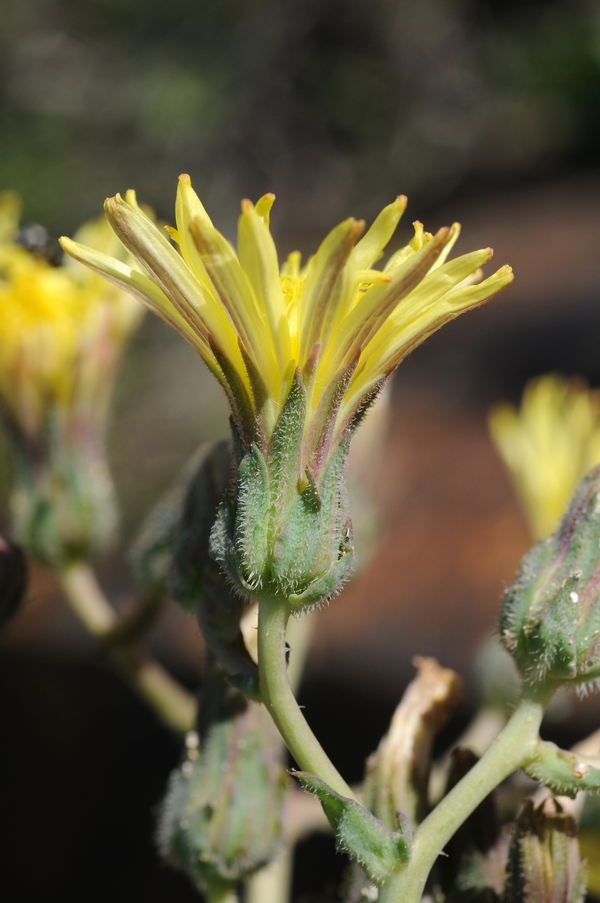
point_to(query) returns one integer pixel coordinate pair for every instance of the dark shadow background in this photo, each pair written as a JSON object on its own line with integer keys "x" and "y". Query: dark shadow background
{"x": 485, "y": 112}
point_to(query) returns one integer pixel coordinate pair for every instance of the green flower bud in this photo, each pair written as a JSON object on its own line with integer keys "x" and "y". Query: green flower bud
{"x": 283, "y": 530}
{"x": 13, "y": 580}
{"x": 62, "y": 499}
{"x": 221, "y": 818}
{"x": 550, "y": 621}
{"x": 544, "y": 864}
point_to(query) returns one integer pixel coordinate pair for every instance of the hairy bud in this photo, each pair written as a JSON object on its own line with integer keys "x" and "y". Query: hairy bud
{"x": 284, "y": 530}
{"x": 221, "y": 818}
{"x": 550, "y": 621}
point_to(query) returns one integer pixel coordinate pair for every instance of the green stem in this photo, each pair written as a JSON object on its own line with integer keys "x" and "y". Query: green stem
{"x": 512, "y": 750}
{"x": 272, "y": 884}
{"x": 175, "y": 706}
{"x": 278, "y": 697}
{"x": 221, "y": 892}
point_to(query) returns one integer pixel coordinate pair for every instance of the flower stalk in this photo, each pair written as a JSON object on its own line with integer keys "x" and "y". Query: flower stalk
{"x": 172, "y": 703}
{"x": 279, "y": 699}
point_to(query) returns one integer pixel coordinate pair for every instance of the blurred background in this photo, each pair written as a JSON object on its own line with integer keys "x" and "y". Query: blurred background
{"x": 480, "y": 111}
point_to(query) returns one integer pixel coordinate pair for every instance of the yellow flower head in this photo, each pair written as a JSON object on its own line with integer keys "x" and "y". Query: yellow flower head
{"x": 61, "y": 328}
{"x": 548, "y": 445}
{"x": 336, "y": 323}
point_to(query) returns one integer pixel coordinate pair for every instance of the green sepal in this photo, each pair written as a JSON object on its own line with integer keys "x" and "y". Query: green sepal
{"x": 239, "y": 540}
{"x": 367, "y": 841}
{"x": 251, "y": 537}
{"x": 324, "y": 419}
{"x": 565, "y": 773}
{"x": 290, "y": 541}
{"x": 285, "y": 448}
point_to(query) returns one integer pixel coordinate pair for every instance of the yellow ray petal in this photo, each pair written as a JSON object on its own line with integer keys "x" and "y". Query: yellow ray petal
{"x": 405, "y": 330}
{"x": 263, "y": 207}
{"x": 258, "y": 258}
{"x": 232, "y": 289}
{"x": 188, "y": 207}
{"x": 370, "y": 248}
{"x": 147, "y": 243}
{"x": 143, "y": 288}
{"x": 327, "y": 291}
{"x": 380, "y": 301}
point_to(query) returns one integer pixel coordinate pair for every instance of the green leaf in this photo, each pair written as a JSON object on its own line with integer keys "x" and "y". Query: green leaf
{"x": 358, "y": 833}
{"x": 565, "y": 773}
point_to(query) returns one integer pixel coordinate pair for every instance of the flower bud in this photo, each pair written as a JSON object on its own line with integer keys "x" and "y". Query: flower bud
{"x": 550, "y": 621}
{"x": 284, "y": 530}
{"x": 13, "y": 580}
{"x": 544, "y": 864}
{"x": 221, "y": 817}
{"x": 62, "y": 503}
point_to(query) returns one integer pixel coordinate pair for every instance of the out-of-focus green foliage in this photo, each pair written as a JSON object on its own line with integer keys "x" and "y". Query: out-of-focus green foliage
{"x": 328, "y": 103}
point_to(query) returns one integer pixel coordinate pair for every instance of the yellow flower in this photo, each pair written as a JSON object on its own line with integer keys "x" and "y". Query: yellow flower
{"x": 339, "y": 323}
{"x": 61, "y": 328}
{"x": 548, "y": 445}
{"x": 62, "y": 332}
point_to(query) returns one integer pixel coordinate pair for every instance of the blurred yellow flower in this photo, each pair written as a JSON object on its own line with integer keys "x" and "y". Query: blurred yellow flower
{"x": 548, "y": 445}
{"x": 61, "y": 328}
{"x": 62, "y": 333}
{"x": 339, "y": 323}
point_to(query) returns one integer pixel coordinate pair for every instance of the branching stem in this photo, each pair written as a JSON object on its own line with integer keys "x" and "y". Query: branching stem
{"x": 512, "y": 750}
{"x": 175, "y": 706}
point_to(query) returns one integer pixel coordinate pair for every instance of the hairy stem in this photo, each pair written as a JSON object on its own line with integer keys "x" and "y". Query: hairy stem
{"x": 279, "y": 699}
{"x": 512, "y": 750}
{"x": 174, "y": 705}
